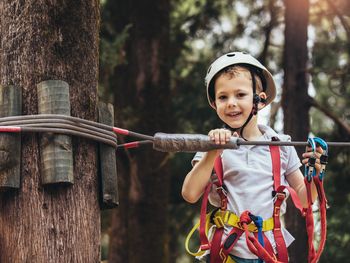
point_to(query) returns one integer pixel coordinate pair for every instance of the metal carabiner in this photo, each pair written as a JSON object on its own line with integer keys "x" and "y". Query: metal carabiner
{"x": 310, "y": 170}
{"x": 324, "y": 156}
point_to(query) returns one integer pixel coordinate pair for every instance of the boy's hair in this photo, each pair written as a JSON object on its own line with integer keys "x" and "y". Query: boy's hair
{"x": 235, "y": 70}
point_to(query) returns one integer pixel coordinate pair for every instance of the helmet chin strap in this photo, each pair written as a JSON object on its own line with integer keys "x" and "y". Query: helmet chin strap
{"x": 256, "y": 100}
{"x": 240, "y": 129}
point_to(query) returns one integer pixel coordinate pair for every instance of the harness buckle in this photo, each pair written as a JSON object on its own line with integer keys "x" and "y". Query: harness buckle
{"x": 204, "y": 247}
{"x": 279, "y": 195}
{"x": 218, "y": 222}
{"x": 221, "y": 190}
{"x": 309, "y": 174}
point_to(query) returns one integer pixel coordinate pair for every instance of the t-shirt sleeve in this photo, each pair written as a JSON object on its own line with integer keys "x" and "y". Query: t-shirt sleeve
{"x": 293, "y": 161}
{"x": 197, "y": 157}
{"x": 213, "y": 197}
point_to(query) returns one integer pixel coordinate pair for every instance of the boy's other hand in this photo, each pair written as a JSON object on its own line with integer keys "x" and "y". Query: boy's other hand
{"x": 317, "y": 154}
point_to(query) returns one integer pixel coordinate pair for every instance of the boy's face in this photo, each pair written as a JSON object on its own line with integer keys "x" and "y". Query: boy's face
{"x": 234, "y": 98}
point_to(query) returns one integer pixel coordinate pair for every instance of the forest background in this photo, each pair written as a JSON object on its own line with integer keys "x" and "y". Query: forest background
{"x": 153, "y": 59}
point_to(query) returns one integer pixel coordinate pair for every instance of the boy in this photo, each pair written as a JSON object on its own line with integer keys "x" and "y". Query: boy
{"x": 237, "y": 87}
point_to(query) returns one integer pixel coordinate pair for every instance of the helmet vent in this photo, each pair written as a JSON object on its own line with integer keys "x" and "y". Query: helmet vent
{"x": 209, "y": 70}
{"x": 231, "y": 54}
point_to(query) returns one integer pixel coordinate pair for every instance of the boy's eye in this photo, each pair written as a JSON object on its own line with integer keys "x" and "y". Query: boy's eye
{"x": 222, "y": 97}
{"x": 241, "y": 94}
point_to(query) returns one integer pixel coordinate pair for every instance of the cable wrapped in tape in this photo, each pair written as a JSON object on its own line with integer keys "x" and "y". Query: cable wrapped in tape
{"x": 189, "y": 143}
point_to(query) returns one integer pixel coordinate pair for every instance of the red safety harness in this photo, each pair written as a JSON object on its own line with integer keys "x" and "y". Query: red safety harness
{"x": 220, "y": 249}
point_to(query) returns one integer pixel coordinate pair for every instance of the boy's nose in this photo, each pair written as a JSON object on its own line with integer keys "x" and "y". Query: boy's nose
{"x": 232, "y": 101}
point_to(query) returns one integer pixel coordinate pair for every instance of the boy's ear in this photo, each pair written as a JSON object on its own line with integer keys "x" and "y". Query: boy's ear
{"x": 262, "y": 96}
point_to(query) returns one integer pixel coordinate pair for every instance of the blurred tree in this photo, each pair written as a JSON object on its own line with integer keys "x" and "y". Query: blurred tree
{"x": 295, "y": 104}
{"x": 43, "y": 40}
{"x": 330, "y": 115}
{"x": 330, "y": 92}
{"x": 140, "y": 85}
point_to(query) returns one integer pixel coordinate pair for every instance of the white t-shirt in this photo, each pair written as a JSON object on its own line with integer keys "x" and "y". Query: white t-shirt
{"x": 249, "y": 181}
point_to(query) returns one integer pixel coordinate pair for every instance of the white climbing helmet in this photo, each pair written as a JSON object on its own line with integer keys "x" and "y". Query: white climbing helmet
{"x": 233, "y": 58}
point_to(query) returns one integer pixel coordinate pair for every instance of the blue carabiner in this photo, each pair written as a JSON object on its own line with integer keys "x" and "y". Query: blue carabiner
{"x": 324, "y": 156}
{"x": 310, "y": 171}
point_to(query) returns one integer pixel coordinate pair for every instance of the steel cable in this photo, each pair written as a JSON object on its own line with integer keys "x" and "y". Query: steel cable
{"x": 69, "y": 132}
{"x": 53, "y": 121}
{"x": 77, "y": 121}
{"x": 72, "y": 128}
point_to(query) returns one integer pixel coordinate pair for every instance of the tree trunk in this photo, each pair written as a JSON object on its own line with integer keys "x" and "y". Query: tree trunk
{"x": 142, "y": 104}
{"x": 295, "y": 104}
{"x": 43, "y": 40}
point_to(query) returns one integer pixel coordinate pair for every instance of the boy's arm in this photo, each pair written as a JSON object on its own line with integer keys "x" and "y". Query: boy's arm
{"x": 197, "y": 179}
{"x": 296, "y": 178}
{"x": 296, "y": 181}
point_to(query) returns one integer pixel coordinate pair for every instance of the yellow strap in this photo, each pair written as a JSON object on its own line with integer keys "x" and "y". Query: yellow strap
{"x": 200, "y": 252}
{"x": 195, "y": 227}
{"x": 231, "y": 219}
{"x": 230, "y": 260}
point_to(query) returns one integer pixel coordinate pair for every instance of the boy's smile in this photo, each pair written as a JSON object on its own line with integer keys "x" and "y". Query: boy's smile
{"x": 233, "y": 99}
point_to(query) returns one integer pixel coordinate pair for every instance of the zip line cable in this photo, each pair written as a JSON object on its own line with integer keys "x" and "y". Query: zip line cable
{"x": 77, "y": 121}
{"x": 63, "y": 124}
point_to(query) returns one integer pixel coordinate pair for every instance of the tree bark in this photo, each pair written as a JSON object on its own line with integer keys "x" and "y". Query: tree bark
{"x": 41, "y": 40}
{"x": 142, "y": 104}
{"x": 295, "y": 104}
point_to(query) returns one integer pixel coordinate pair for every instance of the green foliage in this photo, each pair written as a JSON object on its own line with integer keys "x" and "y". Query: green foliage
{"x": 337, "y": 190}
{"x": 330, "y": 77}
{"x": 111, "y": 52}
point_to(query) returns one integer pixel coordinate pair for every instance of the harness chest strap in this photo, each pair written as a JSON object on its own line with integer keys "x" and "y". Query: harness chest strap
{"x": 205, "y": 245}
{"x": 281, "y": 247}
{"x": 312, "y": 176}
{"x": 314, "y": 256}
{"x": 323, "y": 206}
{"x": 217, "y": 255}
{"x": 309, "y": 220}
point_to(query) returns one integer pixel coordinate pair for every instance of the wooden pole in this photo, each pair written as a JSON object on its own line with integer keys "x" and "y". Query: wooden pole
{"x": 107, "y": 162}
{"x": 56, "y": 150}
{"x": 10, "y": 143}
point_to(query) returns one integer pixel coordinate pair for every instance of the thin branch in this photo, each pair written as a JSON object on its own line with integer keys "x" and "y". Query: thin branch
{"x": 341, "y": 18}
{"x": 268, "y": 30}
{"x": 275, "y": 106}
{"x": 344, "y": 126}
{"x": 164, "y": 162}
